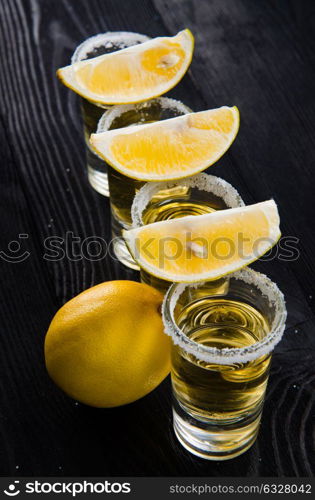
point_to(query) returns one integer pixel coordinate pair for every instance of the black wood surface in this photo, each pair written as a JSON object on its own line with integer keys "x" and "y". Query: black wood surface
{"x": 258, "y": 55}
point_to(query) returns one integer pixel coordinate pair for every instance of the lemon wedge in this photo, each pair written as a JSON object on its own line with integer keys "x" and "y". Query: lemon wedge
{"x": 205, "y": 247}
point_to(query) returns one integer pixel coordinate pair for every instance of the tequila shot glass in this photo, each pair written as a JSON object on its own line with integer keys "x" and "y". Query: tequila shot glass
{"x": 222, "y": 342}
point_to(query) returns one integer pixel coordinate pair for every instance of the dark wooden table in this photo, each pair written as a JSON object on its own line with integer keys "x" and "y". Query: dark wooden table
{"x": 258, "y": 55}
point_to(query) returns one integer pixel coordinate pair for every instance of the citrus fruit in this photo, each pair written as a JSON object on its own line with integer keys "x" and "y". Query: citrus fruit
{"x": 133, "y": 74}
{"x": 106, "y": 346}
{"x": 169, "y": 149}
{"x": 205, "y": 247}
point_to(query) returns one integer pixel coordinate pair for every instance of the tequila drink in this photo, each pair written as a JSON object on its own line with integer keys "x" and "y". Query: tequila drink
{"x": 97, "y": 45}
{"x": 197, "y": 195}
{"x": 122, "y": 188}
{"x": 223, "y": 337}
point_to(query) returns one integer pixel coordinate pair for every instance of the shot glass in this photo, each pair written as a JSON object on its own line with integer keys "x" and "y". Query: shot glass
{"x": 122, "y": 188}
{"x": 97, "y": 45}
{"x": 196, "y": 195}
{"x": 221, "y": 352}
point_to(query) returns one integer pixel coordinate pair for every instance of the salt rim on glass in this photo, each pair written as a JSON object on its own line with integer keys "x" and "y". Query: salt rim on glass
{"x": 228, "y": 356}
{"x": 204, "y": 182}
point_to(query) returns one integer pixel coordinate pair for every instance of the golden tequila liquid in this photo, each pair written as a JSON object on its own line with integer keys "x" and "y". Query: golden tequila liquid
{"x": 122, "y": 188}
{"x": 224, "y": 393}
{"x": 104, "y": 43}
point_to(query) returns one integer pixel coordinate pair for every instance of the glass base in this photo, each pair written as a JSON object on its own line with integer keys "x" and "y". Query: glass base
{"x": 214, "y": 442}
{"x": 98, "y": 181}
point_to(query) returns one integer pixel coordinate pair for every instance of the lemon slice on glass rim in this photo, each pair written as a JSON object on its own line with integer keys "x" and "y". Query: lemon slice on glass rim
{"x": 205, "y": 247}
{"x": 169, "y": 149}
{"x": 134, "y": 74}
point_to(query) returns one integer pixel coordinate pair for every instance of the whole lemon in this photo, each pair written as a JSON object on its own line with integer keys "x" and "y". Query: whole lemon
{"x": 106, "y": 346}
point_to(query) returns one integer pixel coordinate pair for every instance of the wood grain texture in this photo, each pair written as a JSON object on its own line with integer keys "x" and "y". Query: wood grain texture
{"x": 257, "y": 55}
